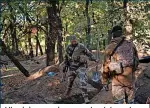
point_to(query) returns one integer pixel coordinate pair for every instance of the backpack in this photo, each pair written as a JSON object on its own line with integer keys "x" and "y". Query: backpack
{"x": 127, "y": 56}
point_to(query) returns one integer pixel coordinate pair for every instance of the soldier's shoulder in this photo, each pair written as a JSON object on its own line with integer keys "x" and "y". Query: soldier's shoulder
{"x": 81, "y": 45}
{"x": 111, "y": 45}
{"x": 68, "y": 47}
{"x": 130, "y": 43}
{"x": 109, "y": 48}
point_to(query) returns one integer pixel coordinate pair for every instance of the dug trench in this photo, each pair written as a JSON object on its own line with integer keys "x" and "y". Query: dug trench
{"x": 43, "y": 89}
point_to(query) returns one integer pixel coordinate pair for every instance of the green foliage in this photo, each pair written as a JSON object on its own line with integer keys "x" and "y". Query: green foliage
{"x": 103, "y": 15}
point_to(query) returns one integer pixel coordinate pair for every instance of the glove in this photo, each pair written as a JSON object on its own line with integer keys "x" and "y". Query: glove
{"x": 96, "y": 60}
{"x": 65, "y": 68}
{"x": 63, "y": 79}
{"x": 106, "y": 87}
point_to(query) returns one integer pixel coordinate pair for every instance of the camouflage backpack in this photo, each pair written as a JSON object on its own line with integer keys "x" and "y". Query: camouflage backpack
{"x": 126, "y": 55}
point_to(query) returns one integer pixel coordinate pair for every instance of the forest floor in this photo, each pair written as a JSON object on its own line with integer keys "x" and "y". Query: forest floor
{"x": 40, "y": 88}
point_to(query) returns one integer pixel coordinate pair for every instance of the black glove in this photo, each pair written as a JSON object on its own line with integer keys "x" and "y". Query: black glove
{"x": 106, "y": 87}
{"x": 65, "y": 68}
{"x": 96, "y": 60}
{"x": 63, "y": 79}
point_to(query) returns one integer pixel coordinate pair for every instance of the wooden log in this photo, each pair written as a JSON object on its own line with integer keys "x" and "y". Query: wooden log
{"x": 13, "y": 59}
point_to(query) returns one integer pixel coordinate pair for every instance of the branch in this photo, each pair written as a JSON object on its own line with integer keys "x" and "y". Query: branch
{"x": 63, "y": 2}
{"x": 13, "y": 59}
{"x": 26, "y": 14}
{"x": 125, "y": 3}
{"x": 6, "y": 31}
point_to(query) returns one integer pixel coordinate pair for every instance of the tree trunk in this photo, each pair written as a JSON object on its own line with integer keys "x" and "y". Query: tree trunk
{"x": 26, "y": 48}
{"x": 109, "y": 37}
{"x": 13, "y": 32}
{"x": 88, "y": 28}
{"x": 14, "y": 60}
{"x": 128, "y": 22}
{"x": 51, "y": 37}
{"x": 38, "y": 45}
{"x": 37, "y": 41}
{"x": 55, "y": 32}
{"x": 30, "y": 46}
{"x": 12, "y": 37}
{"x": 15, "y": 35}
{"x": 37, "y": 37}
{"x": 46, "y": 36}
{"x": 59, "y": 39}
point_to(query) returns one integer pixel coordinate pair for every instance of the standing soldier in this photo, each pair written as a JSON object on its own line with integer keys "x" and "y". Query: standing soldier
{"x": 77, "y": 65}
{"x": 120, "y": 63}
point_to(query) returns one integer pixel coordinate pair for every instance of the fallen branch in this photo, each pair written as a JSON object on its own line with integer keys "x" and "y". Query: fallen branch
{"x": 13, "y": 59}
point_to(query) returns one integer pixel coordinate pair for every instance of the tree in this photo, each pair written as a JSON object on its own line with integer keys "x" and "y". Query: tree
{"x": 55, "y": 32}
{"x": 88, "y": 28}
{"x": 13, "y": 59}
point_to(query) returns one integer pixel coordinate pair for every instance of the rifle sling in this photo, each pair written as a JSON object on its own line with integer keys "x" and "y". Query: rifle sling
{"x": 117, "y": 46}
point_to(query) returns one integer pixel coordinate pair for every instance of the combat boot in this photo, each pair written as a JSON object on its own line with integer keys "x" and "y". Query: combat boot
{"x": 86, "y": 100}
{"x": 68, "y": 91}
{"x": 85, "y": 96}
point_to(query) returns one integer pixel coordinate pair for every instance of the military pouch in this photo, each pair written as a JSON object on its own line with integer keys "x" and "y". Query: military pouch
{"x": 117, "y": 67}
{"x": 74, "y": 66}
{"x": 76, "y": 59}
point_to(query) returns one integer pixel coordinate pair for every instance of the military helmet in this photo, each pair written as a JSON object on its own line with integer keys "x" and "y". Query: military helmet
{"x": 73, "y": 37}
{"x": 116, "y": 28}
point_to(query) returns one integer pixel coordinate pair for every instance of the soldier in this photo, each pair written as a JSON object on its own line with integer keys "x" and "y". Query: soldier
{"x": 120, "y": 63}
{"x": 77, "y": 65}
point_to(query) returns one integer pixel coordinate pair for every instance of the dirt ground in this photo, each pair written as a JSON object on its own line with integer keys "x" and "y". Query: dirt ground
{"x": 40, "y": 88}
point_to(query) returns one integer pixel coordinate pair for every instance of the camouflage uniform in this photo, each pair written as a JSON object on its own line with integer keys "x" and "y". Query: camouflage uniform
{"x": 77, "y": 66}
{"x": 122, "y": 84}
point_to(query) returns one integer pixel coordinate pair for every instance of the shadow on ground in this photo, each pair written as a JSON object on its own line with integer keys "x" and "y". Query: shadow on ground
{"x": 75, "y": 99}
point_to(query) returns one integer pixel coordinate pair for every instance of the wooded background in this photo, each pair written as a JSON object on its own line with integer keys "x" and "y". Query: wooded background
{"x": 33, "y": 28}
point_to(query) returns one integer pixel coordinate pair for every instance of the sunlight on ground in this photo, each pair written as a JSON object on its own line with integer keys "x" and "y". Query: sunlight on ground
{"x": 54, "y": 83}
{"x": 41, "y": 72}
{"x": 11, "y": 69}
{"x": 6, "y": 76}
{"x": 35, "y": 75}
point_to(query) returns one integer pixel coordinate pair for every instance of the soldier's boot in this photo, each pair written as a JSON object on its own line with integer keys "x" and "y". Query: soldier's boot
{"x": 86, "y": 100}
{"x": 71, "y": 79}
{"x": 85, "y": 96}
{"x": 68, "y": 91}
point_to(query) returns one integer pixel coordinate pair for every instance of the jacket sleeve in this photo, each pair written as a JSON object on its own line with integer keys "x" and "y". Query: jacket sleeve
{"x": 105, "y": 70}
{"x": 89, "y": 54}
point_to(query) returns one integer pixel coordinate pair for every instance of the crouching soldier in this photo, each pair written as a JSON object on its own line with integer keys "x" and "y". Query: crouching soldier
{"x": 77, "y": 65}
{"x": 120, "y": 63}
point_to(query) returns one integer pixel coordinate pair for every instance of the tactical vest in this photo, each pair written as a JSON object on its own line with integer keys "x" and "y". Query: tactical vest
{"x": 77, "y": 56}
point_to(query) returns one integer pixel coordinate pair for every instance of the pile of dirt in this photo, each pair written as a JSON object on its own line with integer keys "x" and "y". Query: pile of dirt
{"x": 103, "y": 97}
{"x": 143, "y": 85}
{"x": 40, "y": 88}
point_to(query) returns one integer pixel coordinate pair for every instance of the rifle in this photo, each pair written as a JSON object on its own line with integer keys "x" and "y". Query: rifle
{"x": 65, "y": 69}
{"x": 67, "y": 64}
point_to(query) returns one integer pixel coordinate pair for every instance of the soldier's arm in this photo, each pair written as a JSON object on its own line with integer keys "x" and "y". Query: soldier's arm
{"x": 89, "y": 54}
{"x": 105, "y": 71}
